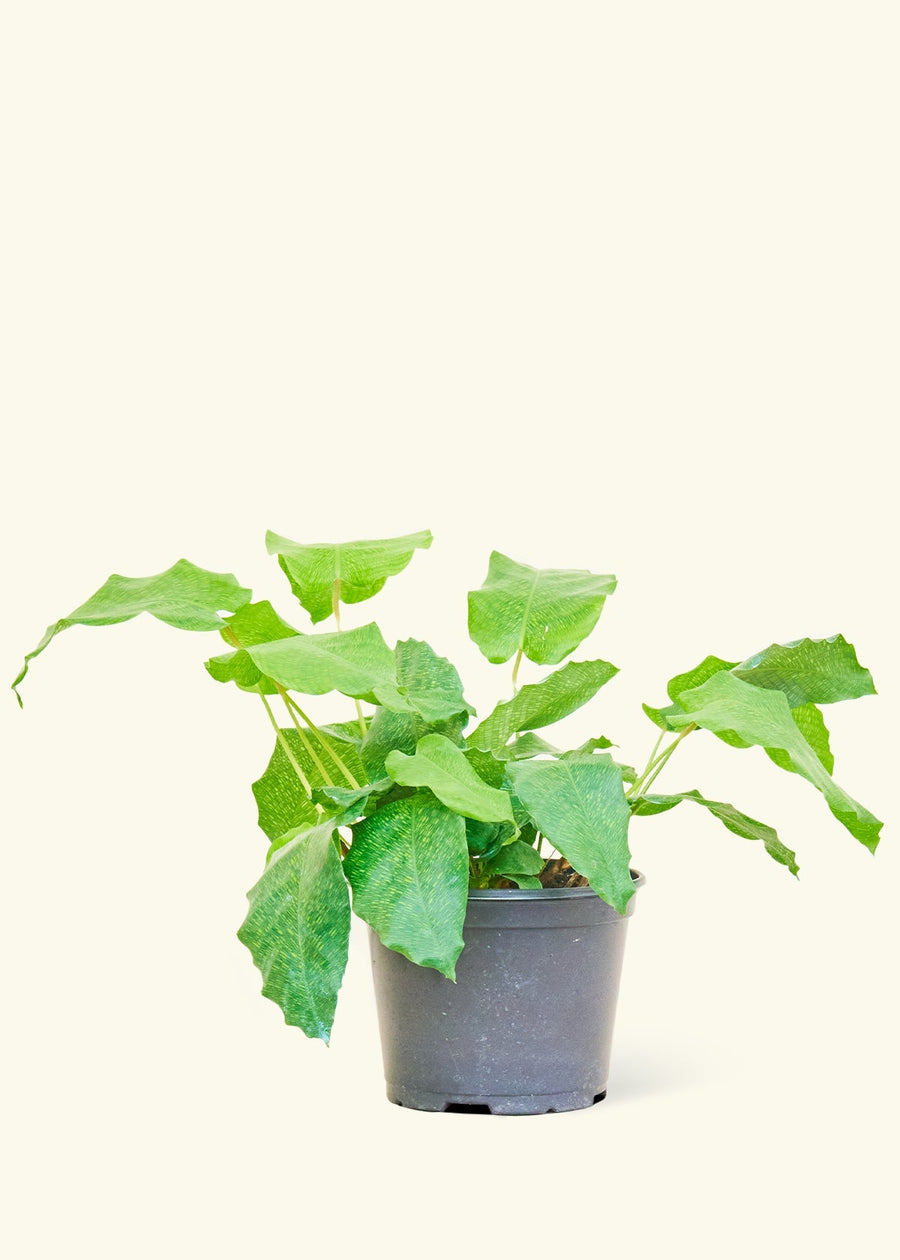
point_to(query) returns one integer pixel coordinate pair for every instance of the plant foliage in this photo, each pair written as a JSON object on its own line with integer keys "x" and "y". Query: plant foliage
{"x": 414, "y": 802}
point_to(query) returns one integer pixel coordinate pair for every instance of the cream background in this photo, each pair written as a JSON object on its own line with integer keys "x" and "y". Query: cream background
{"x": 601, "y": 286}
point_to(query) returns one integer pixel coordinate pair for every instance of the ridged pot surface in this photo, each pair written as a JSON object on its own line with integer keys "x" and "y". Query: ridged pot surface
{"x": 527, "y": 1027}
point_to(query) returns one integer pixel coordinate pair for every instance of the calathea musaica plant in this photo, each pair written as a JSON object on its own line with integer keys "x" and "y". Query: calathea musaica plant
{"x": 413, "y": 802}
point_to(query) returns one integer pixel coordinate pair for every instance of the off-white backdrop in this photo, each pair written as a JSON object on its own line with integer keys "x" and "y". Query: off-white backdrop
{"x": 606, "y": 286}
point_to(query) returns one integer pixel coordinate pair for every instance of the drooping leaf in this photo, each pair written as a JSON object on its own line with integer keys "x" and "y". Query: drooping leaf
{"x": 760, "y": 716}
{"x": 408, "y": 866}
{"x": 811, "y": 725}
{"x": 580, "y": 807}
{"x": 441, "y": 766}
{"x": 809, "y": 671}
{"x": 737, "y": 822}
{"x": 357, "y": 663}
{"x": 685, "y": 682}
{"x": 351, "y": 571}
{"x": 184, "y": 596}
{"x": 429, "y": 682}
{"x": 280, "y": 796}
{"x": 540, "y": 704}
{"x": 298, "y": 929}
{"x": 252, "y": 624}
{"x": 545, "y": 613}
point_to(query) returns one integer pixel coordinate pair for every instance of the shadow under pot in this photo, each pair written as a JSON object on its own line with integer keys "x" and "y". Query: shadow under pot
{"x": 527, "y": 1027}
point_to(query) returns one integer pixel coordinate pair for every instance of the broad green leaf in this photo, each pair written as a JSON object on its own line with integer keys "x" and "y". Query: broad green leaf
{"x": 408, "y": 866}
{"x": 809, "y": 671}
{"x": 298, "y": 929}
{"x": 540, "y": 704}
{"x": 580, "y": 807}
{"x": 323, "y": 572}
{"x": 389, "y": 730}
{"x": 516, "y": 858}
{"x": 811, "y": 725}
{"x": 357, "y": 663}
{"x": 524, "y": 881}
{"x": 441, "y": 766}
{"x": 280, "y": 797}
{"x": 759, "y": 716}
{"x": 428, "y": 681}
{"x": 252, "y": 624}
{"x": 184, "y": 596}
{"x": 741, "y": 824}
{"x": 544, "y": 613}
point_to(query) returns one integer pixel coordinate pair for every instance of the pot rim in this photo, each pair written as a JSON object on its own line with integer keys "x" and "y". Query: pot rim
{"x": 544, "y": 894}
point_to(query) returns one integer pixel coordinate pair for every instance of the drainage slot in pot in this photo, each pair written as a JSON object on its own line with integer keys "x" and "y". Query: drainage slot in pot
{"x": 599, "y": 1097}
{"x": 471, "y": 1109}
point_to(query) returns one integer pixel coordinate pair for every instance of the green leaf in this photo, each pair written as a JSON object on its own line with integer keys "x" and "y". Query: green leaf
{"x": 298, "y": 929}
{"x": 486, "y": 766}
{"x": 408, "y": 866}
{"x": 351, "y": 571}
{"x": 485, "y": 839}
{"x": 516, "y": 858}
{"x": 429, "y": 682}
{"x": 590, "y": 746}
{"x": 184, "y": 596}
{"x": 439, "y": 765}
{"x": 811, "y": 725}
{"x": 544, "y": 613}
{"x": 527, "y": 745}
{"x": 280, "y": 798}
{"x": 389, "y": 730}
{"x": 356, "y": 662}
{"x": 809, "y": 671}
{"x": 351, "y": 800}
{"x": 741, "y": 824}
{"x": 540, "y": 704}
{"x": 580, "y": 807}
{"x": 759, "y": 716}
{"x": 628, "y": 773}
{"x": 252, "y": 624}
{"x": 685, "y": 682}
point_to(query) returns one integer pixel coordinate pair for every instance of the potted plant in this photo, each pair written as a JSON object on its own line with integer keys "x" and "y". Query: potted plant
{"x": 492, "y": 868}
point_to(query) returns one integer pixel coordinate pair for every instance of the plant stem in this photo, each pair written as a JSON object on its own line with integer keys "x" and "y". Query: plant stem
{"x": 515, "y": 673}
{"x": 304, "y": 738}
{"x": 287, "y": 749}
{"x": 654, "y": 767}
{"x": 326, "y": 743}
{"x": 336, "y": 613}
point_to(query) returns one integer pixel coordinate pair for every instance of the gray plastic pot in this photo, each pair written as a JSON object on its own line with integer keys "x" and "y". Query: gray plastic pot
{"x": 527, "y": 1027}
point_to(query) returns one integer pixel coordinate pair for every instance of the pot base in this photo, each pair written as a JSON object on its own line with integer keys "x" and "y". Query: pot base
{"x": 495, "y": 1104}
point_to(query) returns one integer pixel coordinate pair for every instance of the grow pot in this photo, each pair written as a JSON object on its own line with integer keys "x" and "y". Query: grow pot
{"x": 527, "y": 1027}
